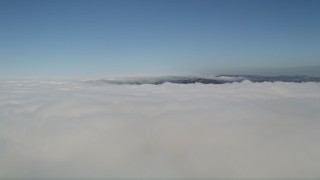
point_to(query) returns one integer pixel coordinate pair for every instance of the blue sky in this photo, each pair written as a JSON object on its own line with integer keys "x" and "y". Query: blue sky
{"x": 116, "y": 38}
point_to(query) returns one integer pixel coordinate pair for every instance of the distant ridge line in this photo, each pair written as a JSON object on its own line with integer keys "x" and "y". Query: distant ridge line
{"x": 220, "y": 79}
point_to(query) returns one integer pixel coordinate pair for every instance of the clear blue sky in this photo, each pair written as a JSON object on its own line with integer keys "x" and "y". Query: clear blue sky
{"x": 107, "y": 38}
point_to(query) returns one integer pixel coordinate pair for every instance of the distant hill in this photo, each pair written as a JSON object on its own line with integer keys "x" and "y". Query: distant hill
{"x": 221, "y": 79}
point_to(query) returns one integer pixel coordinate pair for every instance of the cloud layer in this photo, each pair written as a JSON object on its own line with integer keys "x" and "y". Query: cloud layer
{"x": 68, "y": 129}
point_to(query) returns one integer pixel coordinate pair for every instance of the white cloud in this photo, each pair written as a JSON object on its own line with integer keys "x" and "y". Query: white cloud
{"x": 238, "y": 130}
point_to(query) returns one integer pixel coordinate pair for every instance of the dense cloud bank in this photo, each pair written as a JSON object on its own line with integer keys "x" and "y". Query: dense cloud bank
{"x": 60, "y": 129}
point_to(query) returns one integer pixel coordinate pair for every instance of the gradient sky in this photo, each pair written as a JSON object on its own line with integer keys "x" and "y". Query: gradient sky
{"x": 107, "y": 38}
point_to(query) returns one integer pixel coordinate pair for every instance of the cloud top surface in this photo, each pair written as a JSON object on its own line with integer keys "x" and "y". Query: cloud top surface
{"x": 75, "y": 129}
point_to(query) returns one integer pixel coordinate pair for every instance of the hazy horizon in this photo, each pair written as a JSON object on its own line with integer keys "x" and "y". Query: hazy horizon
{"x": 159, "y": 89}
